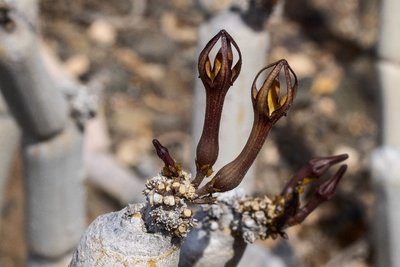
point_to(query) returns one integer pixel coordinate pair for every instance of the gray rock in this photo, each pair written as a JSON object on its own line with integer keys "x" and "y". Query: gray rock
{"x": 55, "y": 193}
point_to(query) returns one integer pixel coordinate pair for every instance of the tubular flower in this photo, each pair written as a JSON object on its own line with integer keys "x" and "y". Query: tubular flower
{"x": 217, "y": 78}
{"x": 323, "y": 192}
{"x": 268, "y": 105}
{"x": 288, "y": 203}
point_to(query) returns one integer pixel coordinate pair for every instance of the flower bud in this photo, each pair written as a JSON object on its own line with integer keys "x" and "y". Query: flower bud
{"x": 171, "y": 168}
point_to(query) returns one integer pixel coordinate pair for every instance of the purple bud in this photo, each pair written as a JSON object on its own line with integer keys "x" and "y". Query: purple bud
{"x": 163, "y": 154}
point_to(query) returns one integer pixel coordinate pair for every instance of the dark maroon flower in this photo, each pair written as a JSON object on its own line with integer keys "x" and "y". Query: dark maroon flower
{"x": 217, "y": 78}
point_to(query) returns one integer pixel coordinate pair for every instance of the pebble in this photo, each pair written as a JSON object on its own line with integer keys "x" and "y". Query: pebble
{"x": 169, "y": 200}
{"x": 248, "y": 222}
{"x": 213, "y": 226}
{"x": 77, "y": 65}
{"x": 303, "y": 65}
{"x": 102, "y": 32}
{"x": 157, "y": 198}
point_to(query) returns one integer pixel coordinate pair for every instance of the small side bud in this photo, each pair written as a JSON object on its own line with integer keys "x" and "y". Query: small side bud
{"x": 163, "y": 154}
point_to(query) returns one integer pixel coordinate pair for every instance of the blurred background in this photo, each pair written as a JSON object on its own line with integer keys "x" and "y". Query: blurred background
{"x": 138, "y": 58}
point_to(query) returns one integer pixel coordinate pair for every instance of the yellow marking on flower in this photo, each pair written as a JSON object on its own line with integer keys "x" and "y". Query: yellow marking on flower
{"x": 273, "y": 96}
{"x": 212, "y": 72}
{"x": 305, "y": 181}
{"x": 274, "y": 102}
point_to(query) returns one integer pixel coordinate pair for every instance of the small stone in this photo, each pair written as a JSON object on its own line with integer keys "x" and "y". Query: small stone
{"x": 327, "y": 106}
{"x": 182, "y": 189}
{"x": 248, "y": 222}
{"x": 303, "y": 65}
{"x": 249, "y": 237}
{"x": 192, "y": 190}
{"x": 169, "y": 200}
{"x": 267, "y": 200}
{"x": 77, "y": 65}
{"x": 176, "y": 185}
{"x": 260, "y": 216}
{"x": 263, "y": 204}
{"x": 214, "y": 226}
{"x": 255, "y": 205}
{"x": 247, "y": 204}
{"x": 187, "y": 213}
{"x": 215, "y": 6}
{"x": 146, "y": 191}
{"x": 161, "y": 187}
{"x": 102, "y": 32}
{"x": 157, "y": 198}
{"x": 215, "y": 211}
{"x": 182, "y": 229}
{"x": 174, "y": 29}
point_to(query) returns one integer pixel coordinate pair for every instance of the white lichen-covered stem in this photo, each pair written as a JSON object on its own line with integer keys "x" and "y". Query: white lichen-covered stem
{"x": 9, "y": 139}
{"x": 122, "y": 239}
{"x": 29, "y": 90}
{"x": 55, "y": 194}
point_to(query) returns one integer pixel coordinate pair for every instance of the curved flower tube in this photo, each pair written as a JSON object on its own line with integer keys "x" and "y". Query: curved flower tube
{"x": 269, "y": 106}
